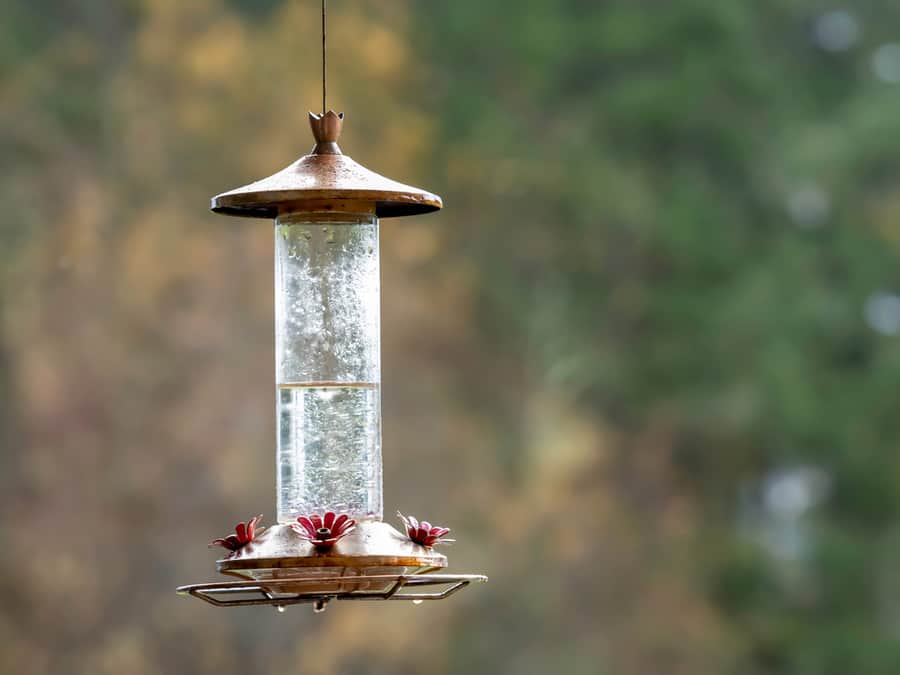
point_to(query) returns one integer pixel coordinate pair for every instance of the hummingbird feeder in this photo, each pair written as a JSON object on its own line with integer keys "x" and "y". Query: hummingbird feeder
{"x": 329, "y": 541}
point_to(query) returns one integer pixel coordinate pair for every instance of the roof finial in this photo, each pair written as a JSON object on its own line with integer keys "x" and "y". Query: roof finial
{"x": 326, "y": 129}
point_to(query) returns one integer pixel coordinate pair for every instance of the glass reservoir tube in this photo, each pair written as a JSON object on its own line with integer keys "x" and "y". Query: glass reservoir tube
{"x": 328, "y": 365}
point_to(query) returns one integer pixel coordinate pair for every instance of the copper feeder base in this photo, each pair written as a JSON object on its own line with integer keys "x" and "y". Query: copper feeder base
{"x": 374, "y": 562}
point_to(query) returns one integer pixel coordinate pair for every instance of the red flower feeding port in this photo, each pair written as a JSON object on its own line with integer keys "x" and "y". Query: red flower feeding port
{"x": 324, "y": 532}
{"x": 424, "y": 533}
{"x": 244, "y": 533}
{"x": 326, "y": 209}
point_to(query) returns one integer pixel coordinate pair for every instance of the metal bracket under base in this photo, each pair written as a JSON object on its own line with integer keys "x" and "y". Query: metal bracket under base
{"x": 244, "y": 593}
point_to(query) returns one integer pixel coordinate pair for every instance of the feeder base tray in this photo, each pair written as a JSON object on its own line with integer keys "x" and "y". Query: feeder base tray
{"x": 358, "y": 561}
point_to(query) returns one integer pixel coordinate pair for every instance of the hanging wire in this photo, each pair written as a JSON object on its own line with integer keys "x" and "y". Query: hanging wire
{"x": 324, "y": 79}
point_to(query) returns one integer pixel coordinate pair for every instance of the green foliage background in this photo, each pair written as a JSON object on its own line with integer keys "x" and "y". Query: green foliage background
{"x": 644, "y": 363}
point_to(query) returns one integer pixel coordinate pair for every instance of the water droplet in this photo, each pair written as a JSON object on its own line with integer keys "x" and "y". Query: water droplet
{"x": 280, "y": 609}
{"x": 418, "y": 602}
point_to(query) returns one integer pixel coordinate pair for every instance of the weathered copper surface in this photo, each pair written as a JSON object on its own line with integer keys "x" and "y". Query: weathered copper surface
{"x": 372, "y": 542}
{"x": 373, "y": 548}
{"x": 323, "y": 177}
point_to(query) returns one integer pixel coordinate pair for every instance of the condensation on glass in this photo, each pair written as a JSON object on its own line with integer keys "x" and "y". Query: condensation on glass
{"x": 328, "y": 366}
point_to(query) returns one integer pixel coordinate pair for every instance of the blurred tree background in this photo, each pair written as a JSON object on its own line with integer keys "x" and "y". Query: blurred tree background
{"x": 644, "y": 363}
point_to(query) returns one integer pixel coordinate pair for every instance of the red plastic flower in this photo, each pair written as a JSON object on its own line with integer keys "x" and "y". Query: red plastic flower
{"x": 424, "y": 533}
{"x": 243, "y": 535}
{"x": 323, "y": 531}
